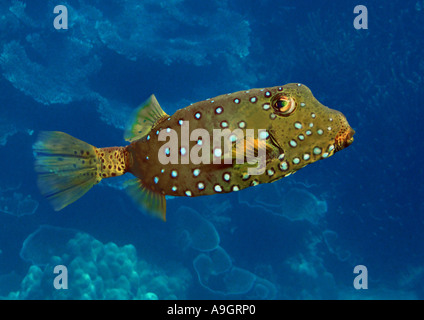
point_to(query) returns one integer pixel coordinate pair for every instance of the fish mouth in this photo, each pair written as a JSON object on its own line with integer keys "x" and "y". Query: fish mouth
{"x": 344, "y": 138}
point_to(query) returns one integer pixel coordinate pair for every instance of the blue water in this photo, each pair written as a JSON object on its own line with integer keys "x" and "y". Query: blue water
{"x": 298, "y": 238}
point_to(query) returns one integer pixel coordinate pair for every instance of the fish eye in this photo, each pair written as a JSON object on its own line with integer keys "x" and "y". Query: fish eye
{"x": 283, "y": 105}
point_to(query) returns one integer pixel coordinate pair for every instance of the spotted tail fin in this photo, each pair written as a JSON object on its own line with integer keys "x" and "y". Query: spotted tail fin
{"x": 67, "y": 167}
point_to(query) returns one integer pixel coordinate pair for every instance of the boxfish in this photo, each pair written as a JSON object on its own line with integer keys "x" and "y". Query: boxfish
{"x": 219, "y": 145}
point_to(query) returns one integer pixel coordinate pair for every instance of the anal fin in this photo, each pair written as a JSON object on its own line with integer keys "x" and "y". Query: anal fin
{"x": 154, "y": 203}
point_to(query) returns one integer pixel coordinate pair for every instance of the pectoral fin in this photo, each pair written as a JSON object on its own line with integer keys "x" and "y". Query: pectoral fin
{"x": 250, "y": 147}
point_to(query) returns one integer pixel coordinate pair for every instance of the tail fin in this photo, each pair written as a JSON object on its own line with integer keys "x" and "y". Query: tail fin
{"x": 67, "y": 167}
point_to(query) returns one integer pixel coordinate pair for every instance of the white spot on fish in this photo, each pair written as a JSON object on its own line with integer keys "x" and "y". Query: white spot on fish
{"x": 217, "y": 152}
{"x": 298, "y": 125}
{"x": 218, "y": 110}
{"x": 296, "y": 161}
{"x": 226, "y": 176}
{"x": 293, "y": 143}
{"x": 156, "y": 179}
{"x": 174, "y": 173}
{"x": 217, "y": 188}
{"x": 263, "y": 135}
{"x": 236, "y": 188}
{"x": 224, "y": 124}
{"x": 201, "y": 185}
{"x": 266, "y": 106}
{"x": 270, "y": 172}
{"x": 196, "y": 172}
{"x": 174, "y": 188}
{"x": 242, "y": 124}
{"x": 198, "y": 115}
{"x": 253, "y": 99}
{"x": 236, "y": 100}
{"x": 188, "y": 193}
{"x": 317, "y": 150}
{"x": 306, "y": 156}
{"x": 284, "y": 166}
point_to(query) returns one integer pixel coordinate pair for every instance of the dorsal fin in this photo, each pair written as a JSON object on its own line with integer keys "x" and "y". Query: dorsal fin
{"x": 143, "y": 119}
{"x": 153, "y": 202}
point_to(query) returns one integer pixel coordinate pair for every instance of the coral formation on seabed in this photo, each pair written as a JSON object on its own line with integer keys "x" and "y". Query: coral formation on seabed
{"x": 61, "y": 76}
{"x": 214, "y": 267}
{"x": 295, "y": 204}
{"x": 16, "y": 203}
{"x": 95, "y": 270}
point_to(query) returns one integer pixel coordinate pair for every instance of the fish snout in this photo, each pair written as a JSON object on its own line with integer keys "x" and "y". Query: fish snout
{"x": 345, "y": 136}
{"x": 349, "y": 136}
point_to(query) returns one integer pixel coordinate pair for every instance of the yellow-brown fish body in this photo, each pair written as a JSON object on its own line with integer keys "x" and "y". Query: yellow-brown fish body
{"x": 292, "y": 141}
{"x": 289, "y": 124}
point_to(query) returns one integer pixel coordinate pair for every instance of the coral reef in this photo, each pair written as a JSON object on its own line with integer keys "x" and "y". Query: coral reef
{"x": 293, "y": 204}
{"x": 56, "y": 82}
{"x": 214, "y": 267}
{"x": 138, "y": 31}
{"x": 147, "y": 30}
{"x": 6, "y": 130}
{"x": 333, "y": 245}
{"x": 217, "y": 274}
{"x": 374, "y": 76}
{"x": 195, "y": 231}
{"x": 95, "y": 270}
{"x": 16, "y": 203}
